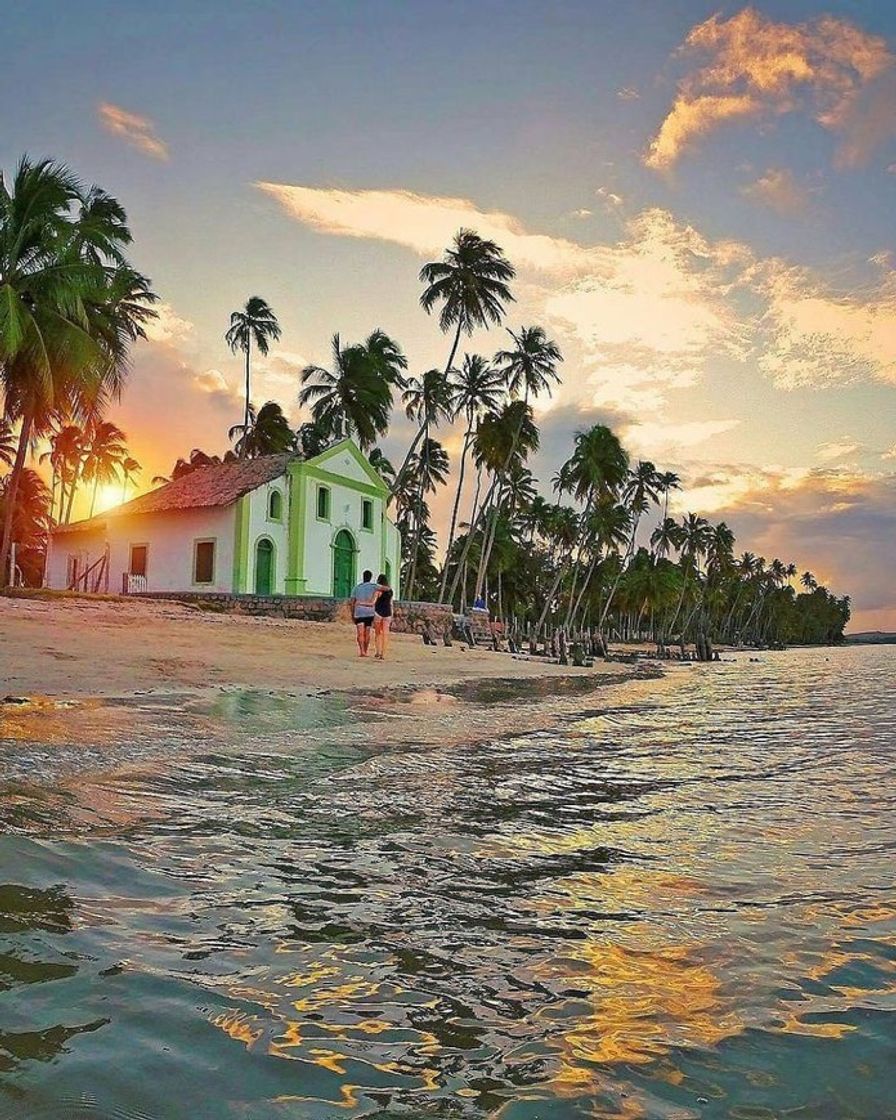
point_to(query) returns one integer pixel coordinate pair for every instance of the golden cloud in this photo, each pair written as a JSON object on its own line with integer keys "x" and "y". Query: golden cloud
{"x": 137, "y": 131}
{"x": 756, "y": 67}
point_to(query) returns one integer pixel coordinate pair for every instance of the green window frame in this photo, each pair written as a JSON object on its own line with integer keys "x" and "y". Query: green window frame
{"x": 275, "y": 506}
{"x": 367, "y": 514}
{"x": 204, "y": 557}
{"x": 323, "y": 503}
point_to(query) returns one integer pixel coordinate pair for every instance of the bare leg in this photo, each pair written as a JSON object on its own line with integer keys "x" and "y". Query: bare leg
{"x": 378, "y": 637}
{"x": 384, "y": 637}
{"x": 363, "y": 639}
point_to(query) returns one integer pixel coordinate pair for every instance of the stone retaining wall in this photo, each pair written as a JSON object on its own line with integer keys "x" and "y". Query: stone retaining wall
{"x": 409, "y": 618}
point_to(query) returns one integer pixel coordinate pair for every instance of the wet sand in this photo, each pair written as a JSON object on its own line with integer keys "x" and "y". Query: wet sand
{"x": 109, "y": 685}
{"x": 79, "y": 647}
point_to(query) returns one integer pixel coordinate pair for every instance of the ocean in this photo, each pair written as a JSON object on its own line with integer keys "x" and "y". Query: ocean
{"x": 680, "y": 902}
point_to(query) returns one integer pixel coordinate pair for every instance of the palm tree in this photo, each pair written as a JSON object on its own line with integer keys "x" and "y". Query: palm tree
{"x": 667, "y": 482}
{"x": 666, "y": 536}
{"x": 255, "y": 323}
{"x": 7, "y": 443}
{"x": 808, "y": 581}
{"x": 130, "y": 468}
{"x": 71, "y": 308}
{"x": 427, "y": 400}
{"x": 31, "y": 518}
{"x": 355, "y": 396}
{"x": 381, "y": 464}
{"x": 104, "y": 452}
{"x": 312, "y": 439}
{"x": 642, "y": 488}
{"x": 476, "y": 388}
{"x": 65, "y": 457}
{"x": 530, "y": 367}
{"x": 471, "y": 284}
{"x": 268, "y": 433}
{"x": 428, "y": 471}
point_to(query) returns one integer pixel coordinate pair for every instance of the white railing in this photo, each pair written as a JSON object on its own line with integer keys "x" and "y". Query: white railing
{"x": 132, "y": 585}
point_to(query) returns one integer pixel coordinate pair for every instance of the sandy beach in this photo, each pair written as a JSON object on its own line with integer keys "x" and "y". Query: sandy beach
{"x": 93, "y": 687}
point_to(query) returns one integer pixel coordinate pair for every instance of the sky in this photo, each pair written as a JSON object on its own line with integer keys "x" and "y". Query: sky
{"x": 698, "y": 200}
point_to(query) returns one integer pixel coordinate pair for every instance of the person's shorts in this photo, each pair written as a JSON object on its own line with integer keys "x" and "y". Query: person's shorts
{"x": 364, "y": 621}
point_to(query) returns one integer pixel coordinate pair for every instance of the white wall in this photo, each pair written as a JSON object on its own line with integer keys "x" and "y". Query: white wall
{"x": 345, "y": 513}
{"x": 170, "y": 537}
{"x": 276, "y": 531}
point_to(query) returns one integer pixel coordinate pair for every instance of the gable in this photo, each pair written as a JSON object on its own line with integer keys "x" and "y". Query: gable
{"x": 346, "y": 460}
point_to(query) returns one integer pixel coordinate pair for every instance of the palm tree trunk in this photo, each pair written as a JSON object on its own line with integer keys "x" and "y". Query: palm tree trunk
{"x": 12, "y": 490}
{"x": 474, "y": 525}
{"x": 96, "y": 482}
{"x": 584, "y": 588}
{"x": 76, "y": 478}
{"x": 399, "y": 478}
{"x": 246, "y": 408}
{"x": 453, "y": 527}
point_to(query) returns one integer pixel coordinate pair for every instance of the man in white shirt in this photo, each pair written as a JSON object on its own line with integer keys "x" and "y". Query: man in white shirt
{"x": 362, "y": 600}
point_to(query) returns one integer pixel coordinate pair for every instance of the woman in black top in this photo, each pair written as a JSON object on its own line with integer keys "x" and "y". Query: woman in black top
{"x": 383, "y": 618}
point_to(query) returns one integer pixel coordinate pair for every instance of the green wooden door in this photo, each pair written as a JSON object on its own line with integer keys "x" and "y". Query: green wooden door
{"x": 343, "y": 564}
{"x": 264, "y": 567}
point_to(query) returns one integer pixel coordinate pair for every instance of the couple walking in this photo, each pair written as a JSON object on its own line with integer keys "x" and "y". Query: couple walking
{"x": 371, "y": 605}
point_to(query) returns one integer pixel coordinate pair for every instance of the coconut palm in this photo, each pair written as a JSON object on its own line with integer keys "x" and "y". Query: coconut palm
{"x": 426, "y": 400}
{"x": 312, "y": 439}
{"x": 476, "y": 388}
{"x": 105, "y": 450}
{"x": 7, "y": 443}
{"x": 470, "y": 283}
{"x": 354, "y": 397}
{"x": 808, "y": 581}
{"x": 503, "y": 439}
{"x": 129, "y": 468}
{"x": 31, "y": 519}
{"x": 255, "y": 323}
{"x": 381, "y": 464}
{"x": 68, "y": 314}
{"x": 667, "y": 482}
{"x": 268, "y": 433}
{"x": 530, "y": 366}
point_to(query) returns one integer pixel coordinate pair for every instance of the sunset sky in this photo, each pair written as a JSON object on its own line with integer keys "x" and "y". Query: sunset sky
{"x": 699, "y": 201}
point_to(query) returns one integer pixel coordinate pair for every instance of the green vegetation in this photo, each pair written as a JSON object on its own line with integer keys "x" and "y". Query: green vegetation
{"x": 70, "y": 308}
{"x": 604, "y": 556}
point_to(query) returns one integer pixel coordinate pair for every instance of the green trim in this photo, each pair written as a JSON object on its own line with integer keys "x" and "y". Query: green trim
{"x": 376, "y": 481}
{"x": 383, "y": 528}
{"x": 294, "y": 583}
{"x": 272, "y": 490}
{"x": 241, "y": 544}
{"x": 340, "y": 480}
{"x": 365, "y": 503}
{"x": 323, "y": 488}
{"x": 204, "y": 540}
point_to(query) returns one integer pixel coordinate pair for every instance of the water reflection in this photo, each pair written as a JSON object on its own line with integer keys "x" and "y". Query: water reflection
{"x": 680, "y": 906}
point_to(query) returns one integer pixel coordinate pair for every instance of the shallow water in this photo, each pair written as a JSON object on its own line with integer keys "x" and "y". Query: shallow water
{"x": 680, "y": 905}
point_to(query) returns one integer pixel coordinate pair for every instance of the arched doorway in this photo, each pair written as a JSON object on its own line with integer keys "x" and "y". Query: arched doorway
{"x": 264, "y": 567}
{"x": 343, "y": 564}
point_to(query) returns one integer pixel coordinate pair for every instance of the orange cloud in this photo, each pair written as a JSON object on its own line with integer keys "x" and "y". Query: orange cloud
{"x": 137, "y": 131}
{"x": 756, "y": 67}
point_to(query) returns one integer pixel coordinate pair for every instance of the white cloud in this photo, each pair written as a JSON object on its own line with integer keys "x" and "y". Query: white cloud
{"x": 659, "y": 438}
{"x": 757, "y": 68}
{"x": 168, "y": 326}
{"x": 134, "y": 129}
{"x": 648, "y": 313}
{"x": 890, "y": 454}
{"x": 837, "y": 449}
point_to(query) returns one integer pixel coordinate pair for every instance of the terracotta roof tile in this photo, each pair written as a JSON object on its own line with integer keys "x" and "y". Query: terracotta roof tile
{"x": 220, "y": 484}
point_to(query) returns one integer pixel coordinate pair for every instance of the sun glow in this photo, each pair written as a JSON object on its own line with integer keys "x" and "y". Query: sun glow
{"x": 108, "y": 496}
